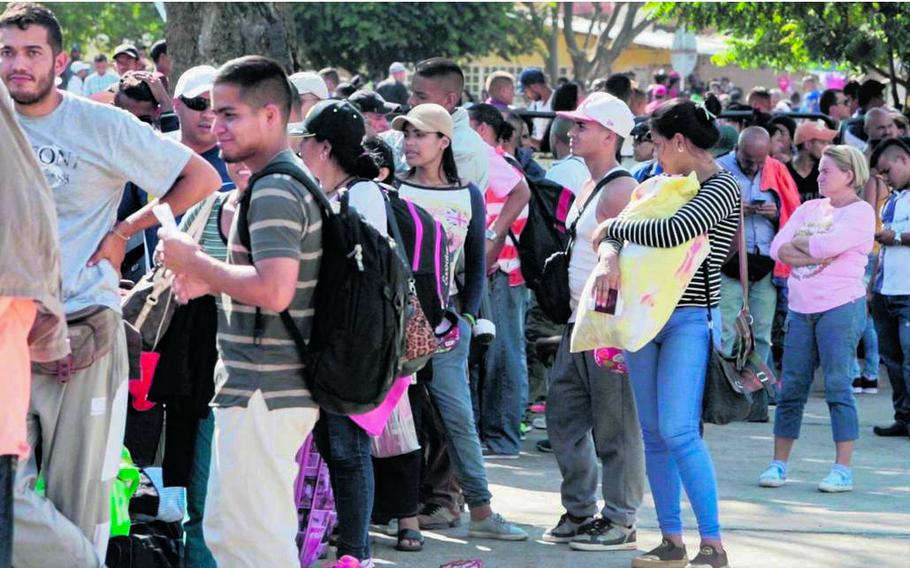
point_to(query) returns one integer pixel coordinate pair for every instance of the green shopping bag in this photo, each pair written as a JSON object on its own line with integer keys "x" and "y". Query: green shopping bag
{"x": 125, "y": 485}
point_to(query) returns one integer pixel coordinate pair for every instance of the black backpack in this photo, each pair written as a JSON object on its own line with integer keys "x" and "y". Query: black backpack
{"x": 357, "y": 336}
{"x": 426, "y": 245}
{"x": 552, "y": 292}
{"x": 545, "y": 231}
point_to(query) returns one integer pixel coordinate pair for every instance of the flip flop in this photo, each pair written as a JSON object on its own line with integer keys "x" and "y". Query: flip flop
{"x": 409, "y": 535}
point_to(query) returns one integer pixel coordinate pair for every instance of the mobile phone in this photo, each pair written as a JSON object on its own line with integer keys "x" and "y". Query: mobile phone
{"x": 757, "y": 202}
{"x": 610, "y": 306}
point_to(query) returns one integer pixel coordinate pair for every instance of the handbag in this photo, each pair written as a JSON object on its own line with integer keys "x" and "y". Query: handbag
{"x": 758, "y": 266}
{"x": 731, "y": 381}
{"x": 553, "y": 294}
{"x": 91, "y": 333}
{"x": 399, "y": 436}
{"x": 149, "y": 306}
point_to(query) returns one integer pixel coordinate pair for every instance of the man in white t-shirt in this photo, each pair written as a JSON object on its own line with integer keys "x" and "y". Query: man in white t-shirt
{"x": 80, "y": 71}
{"x": 101, "y": 79}
{"x": 536, "y": 89}
{"x": 88, "y": 152}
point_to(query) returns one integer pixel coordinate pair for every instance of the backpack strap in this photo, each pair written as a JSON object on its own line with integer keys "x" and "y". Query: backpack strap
{"x": 615, "y": 174}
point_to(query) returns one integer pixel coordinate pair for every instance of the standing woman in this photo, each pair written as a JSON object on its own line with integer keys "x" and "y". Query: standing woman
{"x": 433, "y": 183}
{"x": 668, "y": 374}
{"x": 827, "y": 242}
{"x": 332, "y": 149}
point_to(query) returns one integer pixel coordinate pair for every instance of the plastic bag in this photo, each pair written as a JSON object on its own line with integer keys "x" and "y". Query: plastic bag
{"x": 652, "y": 280}
{"x": 399, "y": 436}
{"x": 125, "y": 484}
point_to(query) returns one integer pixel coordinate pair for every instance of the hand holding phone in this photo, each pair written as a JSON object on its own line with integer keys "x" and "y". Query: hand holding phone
{"x": 610, "y": 306}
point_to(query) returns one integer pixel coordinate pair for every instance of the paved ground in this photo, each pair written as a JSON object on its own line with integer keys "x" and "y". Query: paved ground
{"x": 794, "y": 526}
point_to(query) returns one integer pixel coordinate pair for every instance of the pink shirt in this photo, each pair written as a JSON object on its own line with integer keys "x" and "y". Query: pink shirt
{"x": 844, "y": 233}
{"x": 502, "y": 181}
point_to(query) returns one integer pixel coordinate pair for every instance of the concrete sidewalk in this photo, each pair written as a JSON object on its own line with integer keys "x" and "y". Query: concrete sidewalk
{"x": 793, "y": 526}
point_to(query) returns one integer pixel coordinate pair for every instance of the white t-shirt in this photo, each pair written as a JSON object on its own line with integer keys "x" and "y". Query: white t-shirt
{"x": 893, "y": 277}
{"x": 570, "y": 172}
{"x": 88, "y": 152}
{"x": 96, "y": 83}
{"x": 366, "y": 197}
{"x": 540, "y": 124}
{"x": 75, "y": 85}
{"x": 471, "y": 154}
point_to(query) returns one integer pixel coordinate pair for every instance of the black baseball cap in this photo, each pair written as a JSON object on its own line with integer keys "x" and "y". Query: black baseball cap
{"x": 531, "y": 76}
{"x": 126, "y": 49}
{"x": 339, "y": 122}
{"x": 368, "y": 101}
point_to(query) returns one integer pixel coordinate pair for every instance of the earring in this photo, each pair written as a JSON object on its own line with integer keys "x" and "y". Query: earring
{"x": 679, "y": 149}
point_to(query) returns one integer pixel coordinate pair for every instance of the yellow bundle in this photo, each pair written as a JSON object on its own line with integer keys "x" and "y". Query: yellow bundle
{"x": 652, "y": 279}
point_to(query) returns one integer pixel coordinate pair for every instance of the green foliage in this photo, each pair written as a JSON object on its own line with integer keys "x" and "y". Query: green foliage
{"x": 372, "y": 35}
{"x": 860, "y": 36}
{"x": 101, "y": 26}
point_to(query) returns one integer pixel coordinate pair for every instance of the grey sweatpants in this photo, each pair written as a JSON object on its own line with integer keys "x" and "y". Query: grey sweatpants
{"x": 80, "y": 425}
{"x": 591, "y": 417}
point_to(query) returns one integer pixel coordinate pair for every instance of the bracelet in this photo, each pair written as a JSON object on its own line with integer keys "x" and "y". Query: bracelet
{"x": 114, "y": 230}
{"x": 470, "y": 318}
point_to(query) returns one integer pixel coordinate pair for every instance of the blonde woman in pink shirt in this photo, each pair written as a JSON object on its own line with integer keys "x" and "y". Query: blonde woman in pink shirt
{"x": 826, "y": 242}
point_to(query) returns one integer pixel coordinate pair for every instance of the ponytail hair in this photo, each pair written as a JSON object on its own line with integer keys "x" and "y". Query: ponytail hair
{"x": 693, "y": 121}
{"x": 491, "y": 116}
{"x": 354, "y": 159}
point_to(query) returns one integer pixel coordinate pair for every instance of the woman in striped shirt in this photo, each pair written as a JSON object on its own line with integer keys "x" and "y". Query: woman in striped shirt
{"x": 668, "y": 373}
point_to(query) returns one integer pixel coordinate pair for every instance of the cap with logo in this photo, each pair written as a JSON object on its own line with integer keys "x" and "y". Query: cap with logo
{"x": 368, "y": 101}
{"x": 606, "y": 110}
{"x": 428, "y": 117}
{"x": 195, "y": 81}
{"x": 333, "y": 120}
{"x": 814, "y": 130}
{"x": 309, "y": 82}
{"x": 126, "y": 49}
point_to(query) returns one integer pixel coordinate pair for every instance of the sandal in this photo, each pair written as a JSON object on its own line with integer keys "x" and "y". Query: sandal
{"x": 406, "y": 535}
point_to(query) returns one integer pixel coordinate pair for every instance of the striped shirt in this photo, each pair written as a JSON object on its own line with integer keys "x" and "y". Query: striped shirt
{"x": 714, "y": 210}
{"x": 284, "y": 222}
{"x": 503, "y": 179}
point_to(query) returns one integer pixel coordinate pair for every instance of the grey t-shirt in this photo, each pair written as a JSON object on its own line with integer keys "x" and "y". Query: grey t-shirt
{"x": 88, "y": 152}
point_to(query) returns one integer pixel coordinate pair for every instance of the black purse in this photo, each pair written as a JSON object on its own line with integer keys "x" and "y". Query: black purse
{"x": 553, "y": 294}
{"x": 732, "y": 383}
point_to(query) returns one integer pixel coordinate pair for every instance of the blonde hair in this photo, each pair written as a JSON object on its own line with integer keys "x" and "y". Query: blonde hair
{"x": 849, "y": 159}
{"x": 497, "y": 77}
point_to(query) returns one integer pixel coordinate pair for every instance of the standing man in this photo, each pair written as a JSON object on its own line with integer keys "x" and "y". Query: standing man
{"x": 811, "y": 139}
{"x": 88, "y": 152}
{"x": 810, "y": 93}
{"x": 374, "y": 109}
{"x": 162, "y": 61}
{"x": 101, "y": 79}
{"x": 311, "y": 89}
{"x": 834, "y": 104}
{"x": 591, "y": 414}
{"x": 891, "y": 287}
{"x": 761, "y": 206}
{"x": 76, "y": 83}
{"x": 536, "y": 89}
{"x": 126, "y": 58}
{"x": 331, "y": 78}
{"x": 393, "y": 88}
{"x": 262, "y": 408}
{"x": 501, "y": 90}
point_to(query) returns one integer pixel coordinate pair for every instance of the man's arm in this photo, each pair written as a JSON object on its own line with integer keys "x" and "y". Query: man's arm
{"x": 511, "y": 209}
{"x": 197, "y": 180}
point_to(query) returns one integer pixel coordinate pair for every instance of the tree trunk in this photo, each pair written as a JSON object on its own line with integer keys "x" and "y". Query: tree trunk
{"x": 203, "y": 33}
{"x": 553, "y": 51}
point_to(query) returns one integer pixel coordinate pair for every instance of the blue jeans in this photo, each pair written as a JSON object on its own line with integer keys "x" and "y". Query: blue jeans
{"x": 892, "y": 321}
{"x": 505, "y": 387}
{"x": 452, "y": 394}
{"x": 871, "y": 360}
{"x": 668, "y": 378}
{"x": 345, "y": 447}
{"x": 827, "y": 339}
{"x": 197, "y": 553}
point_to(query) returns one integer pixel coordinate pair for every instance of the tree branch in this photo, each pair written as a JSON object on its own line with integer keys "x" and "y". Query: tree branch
{"x": 568, "y": 34}
{"x": 596, "y": 17}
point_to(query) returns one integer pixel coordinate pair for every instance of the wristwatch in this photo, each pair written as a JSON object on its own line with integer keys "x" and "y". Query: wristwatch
{"x": 897, "y": 239}
{"x": 491, "y": 234}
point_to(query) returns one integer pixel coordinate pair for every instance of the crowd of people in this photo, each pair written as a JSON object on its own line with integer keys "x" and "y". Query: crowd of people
{"x": 820, "y": 202}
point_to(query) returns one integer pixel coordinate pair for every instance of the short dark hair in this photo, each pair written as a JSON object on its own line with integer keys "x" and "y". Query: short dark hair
{"x": 101, "y": 58}
{"x": 827, "y": 100}
{"x": 25, "y": 14}
{"x": 491, "y": 116}
{"x": 687, "y": 118}
{"x": 851, "y": 89}
{"x": 382, "y": 155}
{"x": 159, "y": 48}
{"x": 261, "y": 80}
{"x": 439, "y": 67}
{"x": 135, "y": 88}
{"x": 620, "y": 86}
{"x": 759, "y": 92}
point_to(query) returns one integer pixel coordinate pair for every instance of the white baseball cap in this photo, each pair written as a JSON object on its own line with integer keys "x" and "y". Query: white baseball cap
{"x": 397, "y": 67}
{"x": 309, "y": 82}
{"x": 195, "y": 81}
{"x": 606, "y": 110}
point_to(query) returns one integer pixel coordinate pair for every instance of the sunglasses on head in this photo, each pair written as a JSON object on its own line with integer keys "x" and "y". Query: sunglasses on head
{"x": 198, "y": 104}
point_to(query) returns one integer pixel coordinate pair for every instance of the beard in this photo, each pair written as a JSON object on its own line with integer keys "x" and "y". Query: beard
{"x": 45, "y": 86}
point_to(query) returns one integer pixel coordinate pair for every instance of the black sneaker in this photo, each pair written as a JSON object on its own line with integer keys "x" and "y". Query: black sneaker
{"x": 602, "y": 535}
{"x": 545, "y": 447}
{"x": 709, "y": 557}
{"x": 894, "y": 430}
{"x": 667, "y": 555}
{"x": 870, "y": 386}
{"x": 858, "y": 385}
{"x": 566, "y": 529}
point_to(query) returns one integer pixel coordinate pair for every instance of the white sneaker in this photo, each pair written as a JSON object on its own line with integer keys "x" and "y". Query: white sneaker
{"x": 540, "y": 423}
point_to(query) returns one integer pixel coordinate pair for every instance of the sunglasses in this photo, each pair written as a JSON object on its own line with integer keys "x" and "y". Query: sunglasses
{"x": 198, "y": 104}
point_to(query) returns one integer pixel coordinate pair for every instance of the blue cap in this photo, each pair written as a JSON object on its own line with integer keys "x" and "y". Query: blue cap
{"x": 531, "y": 76}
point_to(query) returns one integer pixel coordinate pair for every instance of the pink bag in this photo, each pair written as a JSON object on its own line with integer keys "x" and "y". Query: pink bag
{"x": 611, "y": 358}
{"x": 374, "y": 421}
{"x": 315, "y": 504}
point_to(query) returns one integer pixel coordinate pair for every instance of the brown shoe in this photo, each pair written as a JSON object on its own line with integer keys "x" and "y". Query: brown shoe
{"x": 709, "y": 557}
{"x": 667, "y": 555}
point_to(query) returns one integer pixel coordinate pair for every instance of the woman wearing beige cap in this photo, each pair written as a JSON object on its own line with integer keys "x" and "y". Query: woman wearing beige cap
{"x": 433, "y": 184}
